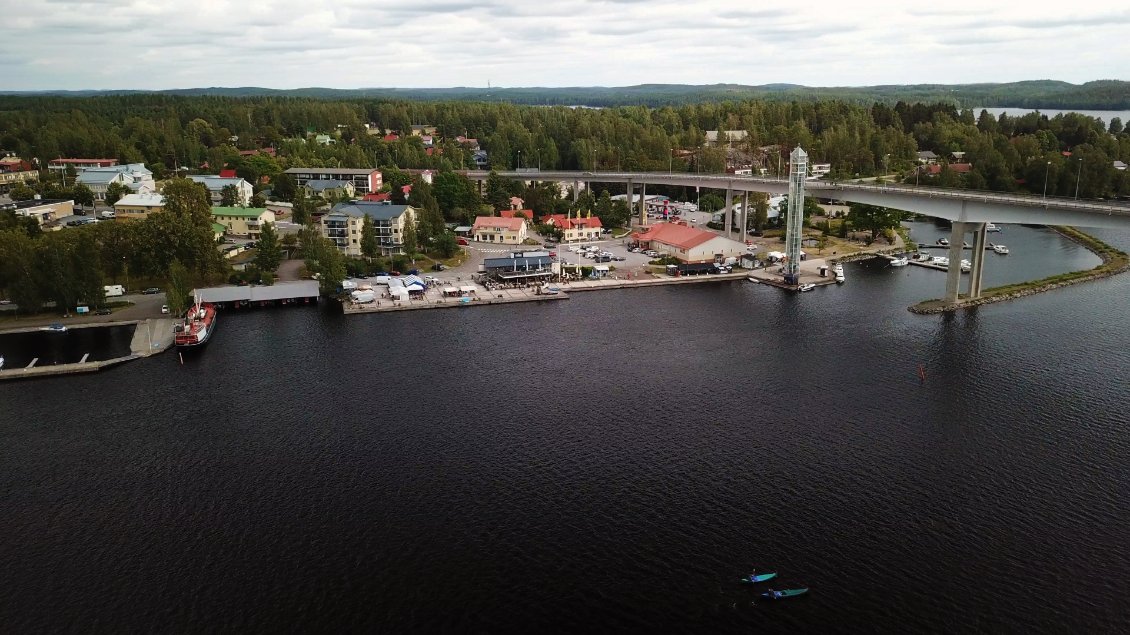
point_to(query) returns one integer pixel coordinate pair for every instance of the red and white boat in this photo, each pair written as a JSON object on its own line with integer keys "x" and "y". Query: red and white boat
{"x": 197, "y": 326}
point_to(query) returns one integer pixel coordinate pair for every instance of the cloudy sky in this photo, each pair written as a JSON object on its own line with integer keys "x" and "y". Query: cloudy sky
{"x": 155, "y": 44}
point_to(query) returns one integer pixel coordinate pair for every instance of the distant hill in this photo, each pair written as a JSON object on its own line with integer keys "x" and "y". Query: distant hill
{"x": 1097, "y": 95}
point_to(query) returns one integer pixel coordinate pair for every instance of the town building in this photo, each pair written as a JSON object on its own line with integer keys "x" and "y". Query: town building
{"x": 819, "y": 170}
{"x": 343, "y": 223}
{"x": 364, "y": 180}
{"x": 61, "y": 164}
{"x": 216, "y": 185}
{"x": 14, "y": 170}
{"x": 45, "y": 211}
{"x": 134, "y": 176}
{"x": 243, "y": 221}
{"x": 521, "y": 266}
{"x": 927, "y": 157}
{"x": 504, "y": 231}
{"x": 688, "y": 244}
{"x": 423, "y": 130}
{"x": 575, "y": 229}
{"x": 138, "y": 206}
{"x": 528, "y": 214}
{"x": 329, "y": 188}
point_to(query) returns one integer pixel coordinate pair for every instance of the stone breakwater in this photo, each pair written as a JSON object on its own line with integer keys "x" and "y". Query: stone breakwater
{"x": 1114, "y": 263}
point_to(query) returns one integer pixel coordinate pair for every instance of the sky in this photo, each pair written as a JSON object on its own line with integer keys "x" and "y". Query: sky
{"x": 160, "y": 44}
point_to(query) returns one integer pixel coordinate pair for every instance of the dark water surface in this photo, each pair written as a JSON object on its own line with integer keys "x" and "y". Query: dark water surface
{"x": 613, "y": 462}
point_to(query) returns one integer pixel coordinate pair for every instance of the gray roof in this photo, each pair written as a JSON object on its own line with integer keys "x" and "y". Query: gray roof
{"x": 537, "y": 262}
{"x": 365, "y": 171}
{"x": 277, "y": 291}
{"x": 326, "y": 184}
{"x": 378, "y": 211}
{"x": 97, "y": 178}
{"x": 927, "y": 154}
{"x": 214, "y": 182}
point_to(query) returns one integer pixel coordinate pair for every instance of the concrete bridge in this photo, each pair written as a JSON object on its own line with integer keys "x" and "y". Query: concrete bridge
{"x": 968, "y": 210}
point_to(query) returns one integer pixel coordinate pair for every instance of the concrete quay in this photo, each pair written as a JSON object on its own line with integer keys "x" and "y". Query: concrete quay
{"x": 150, "y": 337}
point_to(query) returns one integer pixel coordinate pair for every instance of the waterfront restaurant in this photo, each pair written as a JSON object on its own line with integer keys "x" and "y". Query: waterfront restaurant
{"x": 521, "y": 266}
{"x": 688, "y": 244}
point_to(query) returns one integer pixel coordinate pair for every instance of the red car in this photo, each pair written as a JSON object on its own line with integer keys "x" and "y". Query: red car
{"x": 461, "y": 241}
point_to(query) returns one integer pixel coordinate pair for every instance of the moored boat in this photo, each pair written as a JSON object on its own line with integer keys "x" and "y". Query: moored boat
{"x": 197, "y": 326}
{"x": 1000, "y": 249}
{"x": 806, "y": 287}
{"x": 901, "y": 261}
{"x": 838, "y": 271}
{"x": 55, "y": 327}
{"x": 787, "y": 593}
{"x": 989, "y": 227}
{"x": 760, "y": 577}
{"x": 945, "y": 242}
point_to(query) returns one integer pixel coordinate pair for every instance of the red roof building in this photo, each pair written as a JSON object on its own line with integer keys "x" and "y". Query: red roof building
{"x": 513, "y": 213}
{"x": 227, "y": 173}
{"x": 578, "y": 228}
{"x": 377, "y": 197}
{"x": 250, "y": 153}
{"x": 496, "y": 229}
{"x": 960, "y": 168}
{"x": 688, "y": 244}
{"x": 392, "y": 136}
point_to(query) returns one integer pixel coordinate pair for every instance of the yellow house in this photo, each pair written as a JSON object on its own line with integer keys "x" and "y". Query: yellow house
{"x": 138, "y": 206}
{"x": 243, "y": 221}
{"x": 498, "y": 230}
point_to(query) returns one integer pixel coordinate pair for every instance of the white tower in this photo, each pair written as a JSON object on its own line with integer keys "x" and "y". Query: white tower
{"x": 794, "y": 231}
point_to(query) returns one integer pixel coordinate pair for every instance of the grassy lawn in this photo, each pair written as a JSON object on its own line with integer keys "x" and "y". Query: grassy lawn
{"x": 620, "y": 232}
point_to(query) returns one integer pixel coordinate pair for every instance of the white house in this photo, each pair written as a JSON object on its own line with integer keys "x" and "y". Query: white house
{"x": 216, "y": 185}
{"x": 135, "y": 176}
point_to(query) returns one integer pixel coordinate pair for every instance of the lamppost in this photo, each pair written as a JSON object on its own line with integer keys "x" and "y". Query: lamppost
{"x": 1046, "y": 170}
{"x": 1078, "y": 176}
{"x": 671, "y": 162}
{"x": 539, "y": 159}
{"x": 519, "y": 159}
{"x": 594, "y": 159}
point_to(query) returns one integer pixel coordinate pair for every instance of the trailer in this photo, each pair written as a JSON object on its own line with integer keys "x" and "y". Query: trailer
{"x": 114, "y": 290}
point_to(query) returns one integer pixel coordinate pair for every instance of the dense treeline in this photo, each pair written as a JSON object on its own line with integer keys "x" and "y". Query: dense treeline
{"x": 168, "y": 132}
{"x": 1096, "y": 95}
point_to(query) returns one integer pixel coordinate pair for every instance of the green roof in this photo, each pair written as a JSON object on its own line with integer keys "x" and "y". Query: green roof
{"x": 218, "y": 228}
{"x": 242, "y": 212}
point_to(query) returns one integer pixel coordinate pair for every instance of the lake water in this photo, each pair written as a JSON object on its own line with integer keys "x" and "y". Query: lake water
{"x": 609, "y": 463}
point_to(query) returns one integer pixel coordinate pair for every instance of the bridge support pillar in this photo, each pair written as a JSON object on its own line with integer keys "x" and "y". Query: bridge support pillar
{"x": 956, "y": 250}
{"x": 729, "y": 212}
{"x": 628, "y": 191}
{"x": 643, "y": 204}
{"x": 980, "y": 240}
{"x": 745, "y": 218}
{"x": 576, "y": 190}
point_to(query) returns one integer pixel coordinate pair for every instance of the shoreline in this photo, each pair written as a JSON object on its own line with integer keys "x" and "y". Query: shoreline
{"x": 156, "y": 337}
{"x": 1113, "y": 263}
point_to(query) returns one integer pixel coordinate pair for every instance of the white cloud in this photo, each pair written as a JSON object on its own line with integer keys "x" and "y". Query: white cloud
{"x": 153, "y": 44}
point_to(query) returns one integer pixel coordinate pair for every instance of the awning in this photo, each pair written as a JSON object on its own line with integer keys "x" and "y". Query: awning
{"x": 600, "y": 268}
{"x": 467, "y": 289}
{"x": 447, "y": 290}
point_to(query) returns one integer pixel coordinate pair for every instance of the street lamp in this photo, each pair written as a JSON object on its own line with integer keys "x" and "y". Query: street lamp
{"x": 671, "y": 161}
{"x": 539, "y": 159}
{"x": 1046, "y": 170}
{"x": 519, "y": 159}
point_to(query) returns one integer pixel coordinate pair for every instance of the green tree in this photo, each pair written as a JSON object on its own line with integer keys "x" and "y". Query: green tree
{"x": 370, "y": 248}
{"x": 21, "y": 192}
{"x": 873, "y": 218}
{"x": 454, "y": 192}
{"x": 446, "y": 245}
{"x": 177, "y": 288}
{"x": 83, "y": 195}
{"x": 760, "y": 210}
{"x": 114, "y": 192}
{"x": 711, "y": 203}
{"x": 268, "y": 255}
{"x": 258, "y": 200}
{"x": 19, "y": 272}
{"x": 585, "y": 202}
{"x": 229, "y": 196}
{"x": 409, "y": 236}
{"x": 302, "y": 210}
{"x": 322, "y": 258}
{"x": 283, "y": 188}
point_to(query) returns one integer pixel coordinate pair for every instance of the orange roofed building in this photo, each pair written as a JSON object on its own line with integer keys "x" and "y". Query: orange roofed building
{"x": 499, "y": 230}
{"x": 575, "y": 229}
{"x": 688, "y": 244}
{"x": 515, "y": 213}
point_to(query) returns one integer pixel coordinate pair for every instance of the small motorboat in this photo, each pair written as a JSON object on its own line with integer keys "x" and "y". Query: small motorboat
{"x": 55, "y": 327}
{"x": 806, "y": 287}
{"x": 941, "y": 261}
{"x": 989, "y": 227}
{"x": 787, "y": 593}
{"x": 945, "y": 242}
{"x": 966, "y": 266}
{"x": 752, "y": 279}
{"x": 1000, "y": 249}
{"x": 760, "y": 577}
{"x": 901, "y": 261}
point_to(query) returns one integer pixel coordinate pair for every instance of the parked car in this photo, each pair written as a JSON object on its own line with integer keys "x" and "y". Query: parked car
{"x": 618, "y": 258}
{"x": 164, "y": 308}
{"x": 439, "y": 266}
{"x": 151, "y": 291}
{"x": 461, "y": 241}
{"x": 103, "y": 311}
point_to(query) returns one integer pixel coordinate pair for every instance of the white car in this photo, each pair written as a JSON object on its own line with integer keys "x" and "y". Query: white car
{"x": 164, "y": 308}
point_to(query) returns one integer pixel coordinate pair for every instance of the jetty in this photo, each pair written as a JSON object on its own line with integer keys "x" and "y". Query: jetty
{"x": 149, "y": 338}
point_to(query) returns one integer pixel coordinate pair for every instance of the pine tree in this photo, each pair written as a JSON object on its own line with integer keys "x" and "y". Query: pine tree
{"x": 268, "y": 254}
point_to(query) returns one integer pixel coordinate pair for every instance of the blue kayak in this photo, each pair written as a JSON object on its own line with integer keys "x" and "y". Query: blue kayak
{"x": 750, "y": 579}
{"x": 787, "y": 593}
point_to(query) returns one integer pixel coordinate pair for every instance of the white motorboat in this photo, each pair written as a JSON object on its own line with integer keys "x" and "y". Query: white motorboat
{"x": 989, "y": 227}
{"x": 55, "y": 327}
{"x": 901, "y": 261}
{"x": 966, "y": 266}
{"x": 1000, "y": 249}
{"x": 945, "y": 242}
{"x": 752, "y": 279}
{"x": 838, "y": 271}
{"x": 940, "y": 261}
{"x": 806, "y": 287}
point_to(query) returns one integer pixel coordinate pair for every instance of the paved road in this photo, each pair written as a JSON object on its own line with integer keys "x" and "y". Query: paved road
{"x": 144, "y": 306}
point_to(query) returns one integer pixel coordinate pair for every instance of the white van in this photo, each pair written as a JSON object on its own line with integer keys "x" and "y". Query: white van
{"x": 114, "y": 290}
{"x": 108, "y": 214}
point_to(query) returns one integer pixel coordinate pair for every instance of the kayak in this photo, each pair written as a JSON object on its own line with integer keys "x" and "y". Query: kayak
{"x": 787, "y": 593}
{"x": 750, "y": 579}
